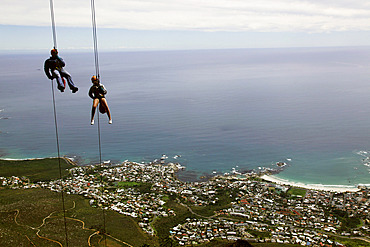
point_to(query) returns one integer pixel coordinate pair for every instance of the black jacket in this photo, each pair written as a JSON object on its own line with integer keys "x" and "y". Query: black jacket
{"x": 97, "y": 91}
{"x": 51, "y": 64}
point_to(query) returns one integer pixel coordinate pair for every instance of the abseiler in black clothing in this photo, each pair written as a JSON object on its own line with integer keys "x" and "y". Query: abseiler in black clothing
{"x": 54, "y": 68}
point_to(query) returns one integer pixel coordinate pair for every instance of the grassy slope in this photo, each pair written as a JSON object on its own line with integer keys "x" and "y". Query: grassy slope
{"x": 35, "y": 170}
{"x": 36, "y": 204}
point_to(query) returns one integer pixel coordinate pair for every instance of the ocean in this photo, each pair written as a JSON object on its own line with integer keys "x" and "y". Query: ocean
{"x": 210, "y": 110}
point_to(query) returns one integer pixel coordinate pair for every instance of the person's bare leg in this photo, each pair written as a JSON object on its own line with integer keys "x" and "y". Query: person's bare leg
{"x": 105, "y": 104}
{"x": 95, "y": 104}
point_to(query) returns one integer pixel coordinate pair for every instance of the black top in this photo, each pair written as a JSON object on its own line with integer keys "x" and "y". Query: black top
{"x": 97, "y": 91}
{"x": 53, "y": 63}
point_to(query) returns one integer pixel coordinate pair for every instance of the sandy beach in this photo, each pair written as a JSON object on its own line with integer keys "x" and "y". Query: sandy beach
{"x": 332, "y": 188}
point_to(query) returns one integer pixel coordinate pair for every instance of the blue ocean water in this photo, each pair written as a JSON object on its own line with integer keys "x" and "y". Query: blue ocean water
{"x": 217, "y": 109}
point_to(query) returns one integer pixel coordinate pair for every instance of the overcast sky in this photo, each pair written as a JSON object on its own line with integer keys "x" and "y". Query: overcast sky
{"x": 185, "y": 24}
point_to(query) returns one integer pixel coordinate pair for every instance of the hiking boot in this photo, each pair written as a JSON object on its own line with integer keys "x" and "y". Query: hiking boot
{"x": 61, "y": 88}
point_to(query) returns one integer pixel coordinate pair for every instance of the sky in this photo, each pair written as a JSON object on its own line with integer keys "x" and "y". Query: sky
{"x": 184, "y": 24}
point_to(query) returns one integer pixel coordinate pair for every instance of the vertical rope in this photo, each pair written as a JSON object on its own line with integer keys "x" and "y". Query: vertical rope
{"x": 96, "y": 56}
{"x": 100, "y": 155}
{"x": 95, "y": 39}
{"x": 55, "y": 121}
{"x": 53, "y": 24}
{"x": 60, "y": 169}
{"x": 101, "y": 178}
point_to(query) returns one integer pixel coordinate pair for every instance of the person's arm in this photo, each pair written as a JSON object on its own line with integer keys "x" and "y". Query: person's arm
{"x": 47, "y": 70}
{"x": 61, "y": 62}
{"x": 91, "y": 92}
{"x": 102, "y": 89}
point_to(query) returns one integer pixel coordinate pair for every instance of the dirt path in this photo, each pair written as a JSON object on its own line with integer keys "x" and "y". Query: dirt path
{"x": 50, "y": 216}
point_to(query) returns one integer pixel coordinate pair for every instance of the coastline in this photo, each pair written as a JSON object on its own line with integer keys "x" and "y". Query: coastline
{"x": 269, "y": 178}
{"x": 322, "y": 187}
{"x": 22, "y": 159}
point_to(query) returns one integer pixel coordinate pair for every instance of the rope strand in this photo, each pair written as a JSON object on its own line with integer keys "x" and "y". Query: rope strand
{"x": 101, "y": 178}
{"x": 95, "y": 39}
{"x": 96, "y": 56}
{"x": 54, "y": 33}
{"x": 53, "y": 24}
{"x": 60, "y": 169}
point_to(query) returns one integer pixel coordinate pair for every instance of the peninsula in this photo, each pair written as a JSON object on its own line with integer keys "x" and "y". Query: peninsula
{"x": 223, "y": 210}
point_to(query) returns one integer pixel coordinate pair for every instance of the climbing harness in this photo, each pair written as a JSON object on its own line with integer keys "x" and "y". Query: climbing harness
{"x": 56, "y": 123}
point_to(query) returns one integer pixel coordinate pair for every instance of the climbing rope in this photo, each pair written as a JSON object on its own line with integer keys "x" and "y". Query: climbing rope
{"x": 53, "y": 24}
{"x": 96, "y": 56}
{"x": 95, "y": 39}
{"x": 56, "y": 123}
{"x": 60, "y": 169}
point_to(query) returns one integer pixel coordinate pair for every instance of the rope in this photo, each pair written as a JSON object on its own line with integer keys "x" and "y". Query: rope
{"x": 100, "y": 159}
{"x": 60, "y": 169}
{"x": 101, "y": 177}
{"x": 95, "y": 39}
{"x": 53, "y": 24}
{"x": 55, "y": 120}
{"x": 96, "y": 56}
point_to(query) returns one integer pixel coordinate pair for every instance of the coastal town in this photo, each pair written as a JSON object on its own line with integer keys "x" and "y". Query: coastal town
{"x": 233, "y": 207}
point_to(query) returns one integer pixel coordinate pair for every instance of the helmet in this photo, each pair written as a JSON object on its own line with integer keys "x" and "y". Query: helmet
{"x": 94, "y": 78}
{"x": 54, "y": 52}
